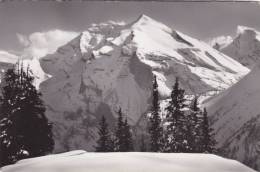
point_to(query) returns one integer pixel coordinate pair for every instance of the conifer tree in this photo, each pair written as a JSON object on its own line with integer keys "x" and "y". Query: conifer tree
{"x": 119, "y": 134}
{"x": 193, "y": 127}
{"x": 155, "y": 128}
{"x": 24, "y": 129}
{"x": 208, "y": 141}
{"x": 175, "y": 136}
{"x": 189, "y": 140}
{"x": 104, "y": 143}
{"x": 123, "y": 136}
{"x": 194, "y": 105}
{"x": 143, "y": 145}
{"x": 127, "y": 138}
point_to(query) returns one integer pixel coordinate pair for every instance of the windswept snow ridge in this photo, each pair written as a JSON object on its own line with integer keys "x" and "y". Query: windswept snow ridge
{"x": 80, "y": 161}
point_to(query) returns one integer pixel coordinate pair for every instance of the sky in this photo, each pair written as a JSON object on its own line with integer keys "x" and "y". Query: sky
{"x": 37, "y": 28}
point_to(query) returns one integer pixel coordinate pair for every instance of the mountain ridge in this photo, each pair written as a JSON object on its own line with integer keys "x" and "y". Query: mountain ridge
{"x": 111, "y": 65}
{"x": 244, "y": 47}
{"x": 236, "y": 119}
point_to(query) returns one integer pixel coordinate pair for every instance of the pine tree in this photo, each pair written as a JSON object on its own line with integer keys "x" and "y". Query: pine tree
{"x": 127, "y": 138}
{"x": 190, "y": 142}
{"x": 105, "y": 142}
{"x": 155, "y": 128}
{"x": 193, "y": 130}
{"x": 194, "y": 105}
{"x": 143, "y": 145}
{"x": 123, "y": 136}
{"x": 208, "y": 141}
{"x": 175, "y": 136}
{"x": 119, "y": 134}
{"x": 24, "y": 129}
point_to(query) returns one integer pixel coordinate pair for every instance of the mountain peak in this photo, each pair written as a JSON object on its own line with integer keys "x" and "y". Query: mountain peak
{"x": 244, "y": 47}
{"x": 246, "y": 29}
{"x": 144, "y": 19}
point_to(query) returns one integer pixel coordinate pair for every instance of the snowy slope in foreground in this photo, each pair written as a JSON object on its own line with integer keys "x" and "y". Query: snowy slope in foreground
{"x": 236, "y": 119}
{"x": 80, "y": 161}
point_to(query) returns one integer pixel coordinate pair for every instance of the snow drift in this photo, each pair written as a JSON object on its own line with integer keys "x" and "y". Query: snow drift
{"x": 80, "y": 161}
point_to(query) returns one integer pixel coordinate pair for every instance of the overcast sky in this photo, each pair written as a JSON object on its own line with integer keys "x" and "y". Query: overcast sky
{"x": 19, "y": 20}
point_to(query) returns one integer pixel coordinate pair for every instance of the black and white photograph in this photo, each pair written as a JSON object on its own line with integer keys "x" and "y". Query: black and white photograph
{"x": 129, "y": 86}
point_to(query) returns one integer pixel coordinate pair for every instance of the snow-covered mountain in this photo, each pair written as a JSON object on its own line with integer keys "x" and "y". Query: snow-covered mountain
{"x": 245, "y": 47}
{"x": 6, "y": 57}
{"x": 81, "y": 161}
{"x": 220, "y": 42}
{"x": 235, "y": 112}
{"x": 111, "y": 65}
{"x": 35, "y": 67}
{"x": 236, "y": 119}
{"x": 8, "y": 60}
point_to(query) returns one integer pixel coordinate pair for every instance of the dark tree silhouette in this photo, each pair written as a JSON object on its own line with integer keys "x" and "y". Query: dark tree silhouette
{"x": 24, "y": 129}
{"x": 123, "y": 136}
{"x": 105, "y": 142}
{"x": 143, "y": 144}
{"x": 119, "y": 134}
{"x": 155, "y": 128}
{"x": 127, "y": 138}
{"x": 193, "y": 127}
{"x": 208, "y": 141}
{"x": 175, "y": 135}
